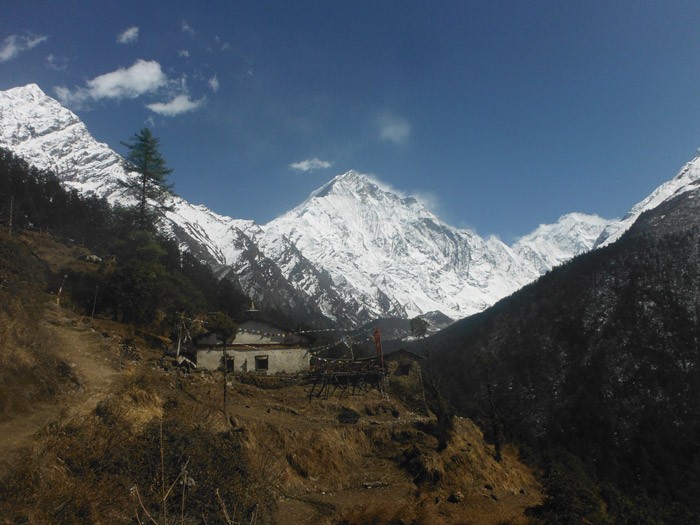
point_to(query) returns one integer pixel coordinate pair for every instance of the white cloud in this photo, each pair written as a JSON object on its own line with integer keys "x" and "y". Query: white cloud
{"x": 65, "y": 95}
{"x": 187, "y": 28}
{"x": 393, "y": 128}
{"x": 184, "y": 53}
{"x": 311, "y": 165}
{"x": 128, "y": 36}
{"x": 180, "y": 104}
{"x": 214, "y": 84}
{"x": 141, "y": 78}
{"x": 428, "y": 199}
{"x": 13, "y": 45}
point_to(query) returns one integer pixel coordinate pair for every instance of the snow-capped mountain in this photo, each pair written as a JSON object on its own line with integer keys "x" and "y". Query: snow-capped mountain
{"x": 687, "y": 179}
{"x": 49, "y": 136}
{"x": 394, "y": 255}
{"x": 353, "y": 251}
{"x": 553, "y": 244}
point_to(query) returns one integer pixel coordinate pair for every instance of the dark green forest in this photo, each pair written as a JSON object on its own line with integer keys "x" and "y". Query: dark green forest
{"x": 594, "y": 370}
{"x": 144, "y": 278}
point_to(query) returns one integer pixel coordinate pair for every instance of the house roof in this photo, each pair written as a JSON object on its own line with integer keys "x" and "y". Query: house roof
{"x": 397, "y": 354}
{"x": 255, "y": 334}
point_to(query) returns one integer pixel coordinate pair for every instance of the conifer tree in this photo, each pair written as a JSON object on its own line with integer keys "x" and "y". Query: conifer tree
{"x": 150, "y": 187}
{"x": 419, "y": 327}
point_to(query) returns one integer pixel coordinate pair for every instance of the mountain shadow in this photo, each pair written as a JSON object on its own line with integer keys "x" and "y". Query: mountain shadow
{"x": 597, "y": 362}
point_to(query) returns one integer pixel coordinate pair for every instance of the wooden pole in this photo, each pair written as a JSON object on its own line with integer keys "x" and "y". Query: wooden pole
{"x": 225, "y": 374}
{"x": 12, "y": 204}
{"x": 60, "y": 289}
{"x": 94, "y": 303}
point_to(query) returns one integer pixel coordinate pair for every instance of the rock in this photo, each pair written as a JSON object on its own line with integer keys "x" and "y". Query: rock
{"x": 374, "y": 484}
{"x": 455, "y": 497}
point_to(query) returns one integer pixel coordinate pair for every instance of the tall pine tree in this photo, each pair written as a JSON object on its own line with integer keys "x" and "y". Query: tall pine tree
{"x": 150, "y": 187}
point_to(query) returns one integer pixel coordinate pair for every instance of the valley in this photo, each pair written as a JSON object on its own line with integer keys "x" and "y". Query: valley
{"x": 556, "y": 380}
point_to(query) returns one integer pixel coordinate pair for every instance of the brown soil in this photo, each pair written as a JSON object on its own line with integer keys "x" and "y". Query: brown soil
{"x": 93, "y": 361}
{"x": 383, "y": 468}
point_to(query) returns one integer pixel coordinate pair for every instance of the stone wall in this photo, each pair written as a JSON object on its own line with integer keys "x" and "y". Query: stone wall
{"x": 261, "y": 360}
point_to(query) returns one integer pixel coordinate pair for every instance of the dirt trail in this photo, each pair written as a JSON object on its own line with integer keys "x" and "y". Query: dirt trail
{"x": 92, "y": 359}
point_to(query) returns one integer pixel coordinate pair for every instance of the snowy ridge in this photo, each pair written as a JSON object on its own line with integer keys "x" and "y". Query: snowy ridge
{"x": 51, "y": 137}
{"x": 553, "y": 244}
{"x": 687, "y": 179}
{"x": 353, "y": 251}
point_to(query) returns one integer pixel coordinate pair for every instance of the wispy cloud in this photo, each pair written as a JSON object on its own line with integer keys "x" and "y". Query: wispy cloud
{"x": 224, "y": 45}
{"x": 393, "y": 128}
{"x": 128, "y": 36}
{"x": 214, "y": 83}
{"x": 311, "y": 165}
{"x": 180, "y": 104}
{"x": 56, "y": 63}
{"x": 13, "y": 45}
{"x": 428, "y": 199}
{"x": 141, "y": 78}
{"x": 184, "y": 53}
{"x": 187, "y": 28}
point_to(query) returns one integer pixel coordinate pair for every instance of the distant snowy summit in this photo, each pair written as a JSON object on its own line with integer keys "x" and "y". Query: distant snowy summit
{"x": 553, "y": 244}
{"x": 354, "y": 251}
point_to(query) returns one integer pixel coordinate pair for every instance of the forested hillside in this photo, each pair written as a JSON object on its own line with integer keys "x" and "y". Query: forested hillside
{"x": 143, "y": 278}
{"x": 596, "y": 367}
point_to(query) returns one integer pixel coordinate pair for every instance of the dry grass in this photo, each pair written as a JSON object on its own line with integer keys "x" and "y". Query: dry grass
{"x": 30, "y": 372}
{"x": 389, "y": 514}
{"x": 133, "y": 407}
{"x": 87, "y": 470}
{"x": 274, "y": 448}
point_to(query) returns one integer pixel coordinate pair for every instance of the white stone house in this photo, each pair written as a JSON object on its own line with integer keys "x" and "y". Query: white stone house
{"x": 259, "y": 347}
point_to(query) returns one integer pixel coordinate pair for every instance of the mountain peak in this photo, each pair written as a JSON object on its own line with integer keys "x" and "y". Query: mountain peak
{"x": 28, "y": 92}
{"x": 350, "y": 181}
{"x": 366, "y": 189}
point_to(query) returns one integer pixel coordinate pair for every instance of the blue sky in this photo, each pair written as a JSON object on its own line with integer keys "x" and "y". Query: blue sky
{"x": 500, "y": 114}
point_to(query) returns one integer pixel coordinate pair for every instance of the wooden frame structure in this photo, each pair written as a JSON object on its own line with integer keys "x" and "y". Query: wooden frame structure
{"x": 349, "y": 377}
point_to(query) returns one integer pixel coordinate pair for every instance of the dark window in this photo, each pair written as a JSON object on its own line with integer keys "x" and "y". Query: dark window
{"x": 261, "y": 362}
{"x": 229, "y": 363}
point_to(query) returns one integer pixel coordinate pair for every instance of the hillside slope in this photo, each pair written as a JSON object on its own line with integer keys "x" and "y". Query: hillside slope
{"x": 600, "y": 358}
{"x": 90, "y": 451}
